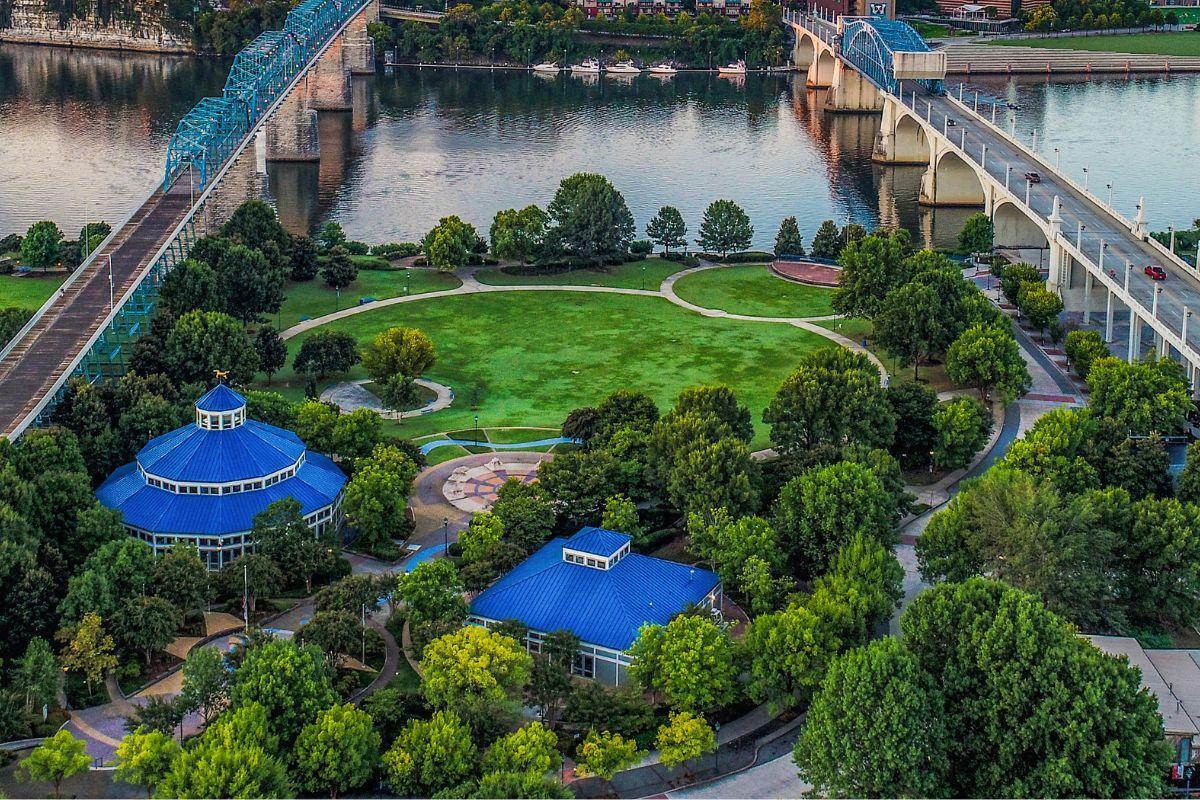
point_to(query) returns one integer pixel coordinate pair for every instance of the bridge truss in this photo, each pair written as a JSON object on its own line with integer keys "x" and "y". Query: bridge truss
{"x": 203, "y": 142}
{"x": 872, "y": 45}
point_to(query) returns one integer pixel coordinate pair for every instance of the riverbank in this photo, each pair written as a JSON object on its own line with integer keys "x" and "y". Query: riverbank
{"x": 147, "y": 31}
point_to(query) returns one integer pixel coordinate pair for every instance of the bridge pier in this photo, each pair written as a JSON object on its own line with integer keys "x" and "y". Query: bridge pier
{"x": 326, "y": 87}
{"x": 820, "y": 72}
{"x": 851, "y": 92}
{"x": 902, "y": 138}
{"x": 950, "y": 181}
{"x": 292, "y": 131}
{"x": 242, "y": 182}
{"x": 358, "y": 50}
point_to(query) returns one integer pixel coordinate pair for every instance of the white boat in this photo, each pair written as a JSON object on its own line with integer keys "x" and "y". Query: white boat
{"x": 624, "y": 68}
{"x": 663, "y": 69}
{"x": 546, "y": 66}
{"x": 589, "y": 66}
{"x": 736, "y": 68}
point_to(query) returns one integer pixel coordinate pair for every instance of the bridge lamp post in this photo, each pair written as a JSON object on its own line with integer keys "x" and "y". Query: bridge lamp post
{"x": 976, "y": 102}
{"x": 1034, "y": 147}
{"x": 1007, "y": 175}
{"x": 1028, "y": 190}
{"x": 1171, "y": 229}
{"x": 1085, "y": 178}
{"x": 1103, "y": 250}
{"x": 1057, "y": 159}
{"x": 993, "y": 112}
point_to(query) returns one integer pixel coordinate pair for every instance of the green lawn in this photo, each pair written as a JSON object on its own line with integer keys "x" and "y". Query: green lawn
{"x": 753, "y": 289}
{"x": 313, "y": 298}
{"x": 1165, "y": 44}
{"x": 645, "y": 274}
{"x": 28, "y": 291}
{"x": 932, "y": 375}
{"x": 527, "y": 358}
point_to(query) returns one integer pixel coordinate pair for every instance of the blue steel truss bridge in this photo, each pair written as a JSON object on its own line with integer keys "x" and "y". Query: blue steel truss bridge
{"x": 88, "y": 327}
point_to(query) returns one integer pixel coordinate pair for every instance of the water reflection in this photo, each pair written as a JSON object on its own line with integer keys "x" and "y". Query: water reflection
{"x": 82, "y": 134}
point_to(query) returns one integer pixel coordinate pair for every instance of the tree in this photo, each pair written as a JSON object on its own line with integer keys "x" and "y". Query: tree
{"x": 578, "y": 483}
{"x": 326, "y": 352}
{"x": 330, "y": 236}
{"x": 147, "y": 624}
{"x": 376, "y": 497}
{"x": 1006, "y": 659}
{"x": 89, "y": 650}
{"x": 272, "y": 352}
{"x": 205, "y": 681}
{"x": 291, "y": 683}
{"x": 191, "y": 286}
{"x": 620, "y": 514}
{"x": 715, "y": 400}
{"x": 1160, "y": 562}
{"x": 718, "y": 474}
{"x": 1187, "y": 488}
{"x": 251, "y": 576}
{"x": 684, "y": 737}
{"x": 739, "y": 551}
{"x": 1039, "y": 305}
{"x": 789, "y": 242}
{"x": 475, "y": 673}
{"x": 398, "y": 351}
{"x": 37, "y": 675}
{"x": 280, "y": 533}
{"x": 1083, "y": 348}
{"x": 913, "y": 405}
{"x": 1013, "y": 277}
{"x": 430, "y": 755}
{"x": 335, "y": 632}
{"x": 589, "y": 218}
{"x": 338, "y": 752}
{"x": 530, "y": 748}
{"x": 875, "y": 694}
{"x": 514, "y": 784}
{"x": 40, "y": 247}
{"x": 1144, "y": 397}
{"x": 977, "y": 235}
{"x": 304, "y": 261}
{"x": 962, "y": 427}
{"x": 55, "y": 759}
{"x": 725, "y": 227}
{"x": 526, "y": 512}
{"x": 988, "y": 359}
{"x": 667, "y": 229}
{"x": 872, "y": 268}
{"x": 821, "y": 509}
{"x": 831, "y": 398}
{"x": 605, "y": 754}
{"x": 203, "y": 342}
{"x": 828, "y": 242}
{"x": 432, "y": 593}
{"x": 517, "y": 234}
{"x": 144, "y": 758}
{"x": 450, "y": 244}
{"x": 907, "y": 325}
{"x": 624, "y": 408}
{"x": 237, "y": 756}
{"x": 181, "y": 578}
{"x": 249, "y": 283}
{"x": 689, "y": 661}
{"x": 484, "y": 531}
{"x": 338, "y": 270}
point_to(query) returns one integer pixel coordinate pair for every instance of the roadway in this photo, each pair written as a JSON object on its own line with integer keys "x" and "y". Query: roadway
{"x": 1179, "y": 289}
{"x": 28, "y": 372}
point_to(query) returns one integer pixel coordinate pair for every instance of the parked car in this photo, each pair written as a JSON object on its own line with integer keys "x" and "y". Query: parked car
{"x": 1033, "y": 177}
{"x": 950, "y": 123}
{"x": 1156, "y": 272}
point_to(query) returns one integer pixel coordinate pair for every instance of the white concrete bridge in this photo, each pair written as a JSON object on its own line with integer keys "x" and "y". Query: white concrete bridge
{"x": 973, "y": 157}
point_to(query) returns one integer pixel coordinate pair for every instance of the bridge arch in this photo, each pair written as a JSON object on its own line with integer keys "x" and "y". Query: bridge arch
{"x": 820, "y": 74}
{"x": 804, "y": 52}
{"x": 951, "y": 181}
{"x": 1016, "y": 229}
{"x": 912, "y": 145}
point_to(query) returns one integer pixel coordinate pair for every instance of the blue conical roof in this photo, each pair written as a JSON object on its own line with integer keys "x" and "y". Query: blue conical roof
{"x": 220, "y": 398}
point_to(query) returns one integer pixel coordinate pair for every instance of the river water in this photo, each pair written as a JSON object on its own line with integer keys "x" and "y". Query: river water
{"x": 83, "y": 135}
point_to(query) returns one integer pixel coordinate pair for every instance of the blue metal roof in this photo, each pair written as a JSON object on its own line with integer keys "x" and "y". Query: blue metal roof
{"x": 192, "y": 453}
{"x": 597, "y": 541}
{"x": 601, "y": 607}
{"x": 315, "y": 485}
{"x": 220, "y": 398}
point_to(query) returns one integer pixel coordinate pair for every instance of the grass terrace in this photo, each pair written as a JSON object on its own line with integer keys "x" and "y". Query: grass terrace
{"x": 1165, "y": 44}
{"x": 753, "y": 289}
{"x": 645, "y": 274}
{"x": 313, "y": 298}
{"x": 30, "y": 290}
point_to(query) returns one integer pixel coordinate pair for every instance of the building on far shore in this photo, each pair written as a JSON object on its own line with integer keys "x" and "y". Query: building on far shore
{"x": 607, "y": 9}
{"x": 1173, "y": 677}
{"x": 592, "y": 585}
{"x": 204, "y": 483}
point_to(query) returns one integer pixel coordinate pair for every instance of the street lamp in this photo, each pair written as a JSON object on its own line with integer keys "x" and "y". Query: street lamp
{"x": 445, "y": 533}
{"x": 1057, "y": 158}
{"x": 1085, "y": 177}
{"x": 1109, "y": 186}
{"x": 477, "y": 430}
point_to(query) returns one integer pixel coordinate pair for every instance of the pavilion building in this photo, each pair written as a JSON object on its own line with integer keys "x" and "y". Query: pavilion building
{"x": 592, "y": 585}
{"x": 204, "y": 483}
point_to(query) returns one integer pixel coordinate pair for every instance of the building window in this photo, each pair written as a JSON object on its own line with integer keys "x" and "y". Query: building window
{"x": 584, "y": 666}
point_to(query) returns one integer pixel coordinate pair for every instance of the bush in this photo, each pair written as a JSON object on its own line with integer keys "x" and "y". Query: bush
{"x": 641, "y": 247}
{"x": 371, "y": 262}
{"x": 744, "y": 257}
{"x": 357, "y": 248}
{"x": 396, "y": 249}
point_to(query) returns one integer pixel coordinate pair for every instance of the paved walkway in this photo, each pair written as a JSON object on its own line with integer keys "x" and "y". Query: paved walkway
{"x": 353, "y": 395}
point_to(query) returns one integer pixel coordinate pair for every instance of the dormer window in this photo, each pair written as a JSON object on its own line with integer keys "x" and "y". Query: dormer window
{"x": 596, "y": 560}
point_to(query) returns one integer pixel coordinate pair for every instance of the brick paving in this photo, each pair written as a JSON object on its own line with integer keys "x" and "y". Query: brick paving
{"x": 810, "y": 272}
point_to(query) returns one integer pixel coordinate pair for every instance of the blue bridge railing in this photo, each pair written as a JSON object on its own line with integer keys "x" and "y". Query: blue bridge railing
{"x": 870, "y": 44}
{"x": 215, "y": 127}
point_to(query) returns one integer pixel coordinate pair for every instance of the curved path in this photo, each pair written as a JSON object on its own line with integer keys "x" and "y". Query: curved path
{"x": 666, "y": 290}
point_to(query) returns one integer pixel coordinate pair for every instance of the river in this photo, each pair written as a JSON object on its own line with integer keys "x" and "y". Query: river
{"x": 83, "y": 135}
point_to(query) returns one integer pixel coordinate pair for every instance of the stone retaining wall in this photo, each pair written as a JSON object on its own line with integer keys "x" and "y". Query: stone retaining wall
{"x": 32, "y": 23}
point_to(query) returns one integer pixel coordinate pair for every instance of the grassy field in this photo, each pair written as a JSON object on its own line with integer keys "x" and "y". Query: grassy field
{"x": 313, "y": 298}
{"x": 645, "y": 274}
{"x": 28, "y": 291}
{"x": 528, "y": 358}
{"x": 752, "y": 289}
{"x": 1165, "y": 44}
